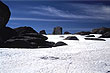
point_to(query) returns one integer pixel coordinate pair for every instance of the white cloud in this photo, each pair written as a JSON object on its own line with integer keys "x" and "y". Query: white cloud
{"x": 93, "y": 11}
{"x": 37, "y": 19}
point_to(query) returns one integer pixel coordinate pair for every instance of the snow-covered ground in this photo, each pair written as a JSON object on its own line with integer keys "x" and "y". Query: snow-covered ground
{"x": 83, "y": 56}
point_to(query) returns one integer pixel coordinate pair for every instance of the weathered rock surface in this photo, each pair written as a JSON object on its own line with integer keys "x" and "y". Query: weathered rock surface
{"x": 6, "y": 33}
{"x": 28, "y": 40}
{"x": 4, "y": 14}
{"x": 71, "y": 38}
{"x": 12, "y": 43}
{"x": 100, "y": 30}
{"x": 57, "y": 30}
{"x": 105, "y": 35}
{"x": 24, "y": 30}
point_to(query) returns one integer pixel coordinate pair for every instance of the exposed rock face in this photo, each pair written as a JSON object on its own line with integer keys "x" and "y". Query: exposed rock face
{"x": 67, "y": 32}
{"x": 28, "y": 40}
{"x": 97, "y": 39}
{"x": 60, "y": 43}
{"x": 100, "y": 30}
{"x": 6, "y": 33}
{"x": 16, "y": 44}
{"x": 4, "y": 14}
{"x": 71, "y": 38}
{"x": 105, "y": 35}
{"x": 42, "y": 32}
{"x": 57, "y": 30}
{"x": 35, "y": 35}
{"x": 24, "y": 30}
{"x": 83, "y": 33}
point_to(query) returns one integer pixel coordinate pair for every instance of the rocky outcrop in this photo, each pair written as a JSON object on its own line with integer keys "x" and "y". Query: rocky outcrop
{"x": 67, "y": 32}
{"x": 71, "y": 38}
{"x": 30, "y": 40}
{"x": 83, "y": 33}
{"x": 42, "y": 32}
{"x": 105, "y": 35}
{"x": 4, "y": 14}
{"x": 17, "y": 43}
{"x": 100, "y": 30}
{"x": 24, "y": 30}
{"x": 57, "y": 30}
{"x": 6, "y": 33}
{"x": 60, "y": 43}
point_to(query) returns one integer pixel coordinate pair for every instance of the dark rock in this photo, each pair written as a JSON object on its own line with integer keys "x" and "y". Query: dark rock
{"x": 16, "y": 44}
{"x": 46, "y": 44}
{"x": 32, "y": 40}
{"x": 83, "y": 33}
{"x": 62, "y": 36}
{"x": 4, "y": 14}
{"x": 105, "y": 35}
{"x": 71, "y": 38}
{"x": 60, "y": 43}
{"x": 90, "y": 36}
{"x": 6, "y": 33}
{"x": 35, "y": 35}
{"x": 67, "y": 32}
{"x": 94, "y": 39}
{"x": 24, "y": 30}
{"x": 100, "y": 30}
{"x": 42, "y": 32}
{"x": 57, "y": 30}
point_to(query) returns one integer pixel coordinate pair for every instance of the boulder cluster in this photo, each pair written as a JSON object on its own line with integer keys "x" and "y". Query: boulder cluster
{"x": 27, "y": 37}
{"x": 103, "y": 30}
{"x": 22, "y": 37}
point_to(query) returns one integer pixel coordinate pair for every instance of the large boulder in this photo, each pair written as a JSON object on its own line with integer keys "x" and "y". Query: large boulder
{"x": 71, "y": 38}
{"x": 24, "y": 30}
{"x": 83, "y": 33}
{"x": 12, "y": 43}
{"x": 6, "y": 33}
{"x": 28, "y": 40}
{"x": 42, "y": 32}
{"x": 35, "y": 35}
{"x": 57, "y": 30}
{"x": 100, "y": 30}
{"x": 4, "y": 14}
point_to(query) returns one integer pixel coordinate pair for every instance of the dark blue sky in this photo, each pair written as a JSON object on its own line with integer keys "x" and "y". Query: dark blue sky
{"x": 73, "y": 16}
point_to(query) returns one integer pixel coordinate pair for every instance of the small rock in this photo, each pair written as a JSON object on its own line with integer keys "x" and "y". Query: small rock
{"x": 42, "y": 32}
{"x": 67, "y": 32}
{"x": 71, "y": 38}
{"x": 90, "y": 36}
{"x": 60, "y": 43}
